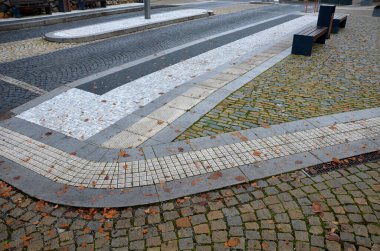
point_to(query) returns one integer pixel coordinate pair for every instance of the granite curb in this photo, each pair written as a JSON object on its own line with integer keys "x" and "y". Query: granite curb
{"x": 47, "y": 190}
{"x": 102, "y": 35}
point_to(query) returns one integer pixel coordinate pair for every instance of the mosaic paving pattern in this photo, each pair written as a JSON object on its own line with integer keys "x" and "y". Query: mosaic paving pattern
{"x": 93, "y": 113}
{"x": 335, "y": 211}
{"x": 66, "y": 168}
{"x": 303, "y": 87}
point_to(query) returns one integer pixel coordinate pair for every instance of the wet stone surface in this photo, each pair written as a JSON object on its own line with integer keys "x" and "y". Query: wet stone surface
{"x": 303, "y": 87}
{"x": 287, "y": 212}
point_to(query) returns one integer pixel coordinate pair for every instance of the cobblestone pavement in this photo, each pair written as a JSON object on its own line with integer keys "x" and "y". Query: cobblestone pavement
{"x": 338, "y": 210}
{"x": 30, "y": 47}
{"x": 302, "y": 87}
{"x": 236, "y": 8}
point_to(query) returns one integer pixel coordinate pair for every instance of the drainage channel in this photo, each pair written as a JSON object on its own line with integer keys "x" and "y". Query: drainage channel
{"x": 337, "y": 164}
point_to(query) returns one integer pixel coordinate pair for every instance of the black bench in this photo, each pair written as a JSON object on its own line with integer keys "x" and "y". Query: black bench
{"x": 31, "y": 4}
{"x": 339, "y": 21}
{"x": 82, "y": 3}
{"x": 303, "y": 41}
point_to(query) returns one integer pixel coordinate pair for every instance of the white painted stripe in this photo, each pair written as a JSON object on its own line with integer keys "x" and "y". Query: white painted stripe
{"x": 22, "y": 84}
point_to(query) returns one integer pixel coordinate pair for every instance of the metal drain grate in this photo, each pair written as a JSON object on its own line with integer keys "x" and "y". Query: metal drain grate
{"x": 342, "y": 163}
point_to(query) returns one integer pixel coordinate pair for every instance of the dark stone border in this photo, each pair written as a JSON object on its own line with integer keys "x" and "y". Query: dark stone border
{"x": 42, "y": 188}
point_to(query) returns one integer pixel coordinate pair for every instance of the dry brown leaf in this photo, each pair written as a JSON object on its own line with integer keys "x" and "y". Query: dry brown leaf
{"x": 240, "y": 178}
{"x": 256, "y": 153}
{"x": 233, "y": 242}
{"x": 333, "y": 237}
{"x": 336, "y": 160}
{"x": 316, "y": 207}
{"x": 215, "y": 175}
{"x": 110, "y": 213}
{"x": 123, "y": 153}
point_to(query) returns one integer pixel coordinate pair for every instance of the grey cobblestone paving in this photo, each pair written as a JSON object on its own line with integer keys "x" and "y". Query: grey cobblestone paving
{"x": 304, "y": 87}
{"x": 12, "y": 96}
{"x": 338, "y": 210}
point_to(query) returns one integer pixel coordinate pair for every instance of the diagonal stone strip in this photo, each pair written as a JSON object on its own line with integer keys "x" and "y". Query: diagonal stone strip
{"x": 153, "y": 123}
{"x": 69, "y": 169}
{"x": 22, "y": 84}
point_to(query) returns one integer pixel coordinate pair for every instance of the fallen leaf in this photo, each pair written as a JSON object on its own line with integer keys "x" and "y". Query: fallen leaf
{"x": 264, "y": 246}
{"x": 93, "y": 183}
{"x": 145, "y": 231}
{"x": 265, "y": 125}
{"x": 336, "y": 160}
{"x": 101, "y": 230}
{"x": 333, "y": 237}
{"x": 81, "y": 187}
{"x": 180, "y": 149}
{"x": 299, "y": 162}
{"x": 316, "y": 207}
{"x": 215, "y": 175}
{"x": 240, "y": 178}
{"x": 196, "y": 181}
{"x": 110, "y": 213}
{"x": 233, "y": 242}
{"x": 160, "y": 122}
{"x": 64, "y": 226}
{"x": 7, "y": 246}
{"x": 254, "y": 184}
{"x": 256, "y": 153}
{"x": 123, "y": 153}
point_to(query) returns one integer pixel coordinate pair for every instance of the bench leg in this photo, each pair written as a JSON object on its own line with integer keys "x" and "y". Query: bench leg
{"x": 321, "y": 39}
{"x": 343, "y": 23}
{"x": 103, "y": 4}
{"x": 302, "y": 45}
{"x": 48, "y": 10}
{"x": 335, "y": 27}
{"x": 16, "y": 12}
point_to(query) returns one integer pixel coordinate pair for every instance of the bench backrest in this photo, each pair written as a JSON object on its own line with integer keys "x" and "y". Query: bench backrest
{"x": 27, "y": 2}
{"x": 325, "y": 17}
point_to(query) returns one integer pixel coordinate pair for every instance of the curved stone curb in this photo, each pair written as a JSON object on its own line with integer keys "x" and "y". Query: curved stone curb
{"x": 44, "y": 189}
{"x": 53, "y": 37}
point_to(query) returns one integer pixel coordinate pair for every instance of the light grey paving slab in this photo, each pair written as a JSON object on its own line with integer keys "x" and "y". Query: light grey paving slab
{"x": 217, "y": 96}
{"x": 203, "y": 107}
{"x": 150, "y": 142}
{"x": 186, "y": 120}
{"x": 104, "y": 135}
{"x": 127, "y": 121}
{"x": 148, "y": 152}
{"x": 298, "y": 125}
{"x": 87, "y": 150}
{"x": 206, "y": 142}
{"x": 279, "y": 165}
{"x": 97, "y": 155}
{"x": 323, "y": 121}
{"x": 273, "y": 130}
{"x": 70, "y": 145}
{"x": 171, "y": 148}
{"x": 199, "y": 183}
{"x": 168, "y": 134}
{"x": 345, "y": 150}
{"x": 357, "y": 115}
{"x": 375, "y": 140}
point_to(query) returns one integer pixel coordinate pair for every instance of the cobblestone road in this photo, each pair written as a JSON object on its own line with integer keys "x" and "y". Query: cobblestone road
{"x": 302, "y": 87}
{"x": 333, "y": 211}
